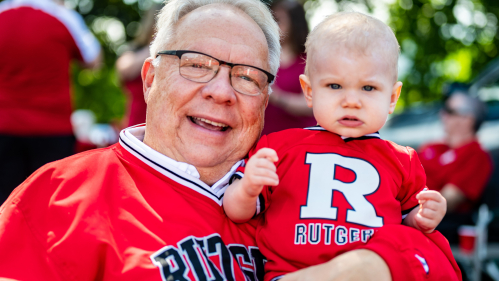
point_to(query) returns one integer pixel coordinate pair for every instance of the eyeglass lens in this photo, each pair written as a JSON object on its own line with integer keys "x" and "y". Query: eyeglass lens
{"x": 201, "y": 68}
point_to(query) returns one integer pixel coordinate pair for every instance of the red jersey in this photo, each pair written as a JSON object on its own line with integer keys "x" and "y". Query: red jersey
{"x": 39, "y": 39}
{"x": 125, "y": 212}
{"x": 332, "y": 195}
{"x": 468, "y": 167}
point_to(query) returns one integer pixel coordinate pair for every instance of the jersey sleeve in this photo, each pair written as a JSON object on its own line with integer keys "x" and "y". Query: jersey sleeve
{"x": 473, "y": 177}
{"x": 24, "y": 255}
{"x": 414, "y": 181}
{"x": 414, "y": 256}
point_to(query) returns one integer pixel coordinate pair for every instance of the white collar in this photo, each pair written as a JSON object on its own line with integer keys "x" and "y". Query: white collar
{"x": 183, "y": 173}
{"x": 368, "y": 136}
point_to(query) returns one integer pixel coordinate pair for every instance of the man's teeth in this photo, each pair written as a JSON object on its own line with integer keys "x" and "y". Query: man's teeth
{"x": 221, "y": 125}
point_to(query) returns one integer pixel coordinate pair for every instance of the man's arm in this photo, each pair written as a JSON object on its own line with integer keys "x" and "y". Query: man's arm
{"x": 453, "y": 195}
{"x": 350, "y": 266}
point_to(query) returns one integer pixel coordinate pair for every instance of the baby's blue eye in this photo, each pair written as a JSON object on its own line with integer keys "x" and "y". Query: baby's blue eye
{"x": 335, "y": 86}
{"x": 368, "y": 88}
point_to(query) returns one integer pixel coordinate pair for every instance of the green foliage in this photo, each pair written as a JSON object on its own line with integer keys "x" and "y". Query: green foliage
{"x": 441, "y": 41}
{"x": 100, "y": 90}
{"x": 443, "y": 48}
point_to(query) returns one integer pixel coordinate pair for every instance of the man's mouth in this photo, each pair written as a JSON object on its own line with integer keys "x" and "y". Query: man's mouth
{"x": 208, "y": 124}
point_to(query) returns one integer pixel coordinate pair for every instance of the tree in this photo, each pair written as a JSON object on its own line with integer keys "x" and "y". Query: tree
{"x": 441, "y": 40}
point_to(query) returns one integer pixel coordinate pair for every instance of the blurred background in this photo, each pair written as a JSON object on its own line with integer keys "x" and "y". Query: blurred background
{"x": 445, "y": 45}
{"x": 441, "y": 41}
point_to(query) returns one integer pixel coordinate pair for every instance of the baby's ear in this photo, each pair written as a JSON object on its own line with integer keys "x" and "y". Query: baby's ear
{"x": 306, "y": 88}
{"x": 397, "y": 87}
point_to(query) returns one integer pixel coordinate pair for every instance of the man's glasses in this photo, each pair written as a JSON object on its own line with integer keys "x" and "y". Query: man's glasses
{"x": 198, "y": 67}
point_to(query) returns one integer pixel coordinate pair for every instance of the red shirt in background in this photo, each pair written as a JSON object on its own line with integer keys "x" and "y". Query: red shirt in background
{"x": 467, "y": 167}
{"x": 277, "y": 119}
{"x": 138, "y": 106}
{"x": 39, "y": 39}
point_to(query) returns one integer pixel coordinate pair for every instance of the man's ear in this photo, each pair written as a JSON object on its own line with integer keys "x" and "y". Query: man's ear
{"x": 397, "y": 87}
{"x": 147, "y": 74}
{"x": 306, "y": 88}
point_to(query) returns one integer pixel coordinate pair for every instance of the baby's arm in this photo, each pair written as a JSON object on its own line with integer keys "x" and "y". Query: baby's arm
{"x": 432, "y": 208}
{"x": 240, "y": 197}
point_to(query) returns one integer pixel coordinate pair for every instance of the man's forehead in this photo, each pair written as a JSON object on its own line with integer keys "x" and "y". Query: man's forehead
{"x": 224, "y": 31}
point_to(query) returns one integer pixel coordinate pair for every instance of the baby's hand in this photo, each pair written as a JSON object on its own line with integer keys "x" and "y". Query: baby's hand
{"x": 432, "y": 208}
{"x": 260, "y": 171}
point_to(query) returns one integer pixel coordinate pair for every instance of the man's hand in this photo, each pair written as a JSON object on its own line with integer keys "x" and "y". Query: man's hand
{"x": 432, "y": 209}
{"x": 350, "y": 266}
{"x": 260, "y": 171}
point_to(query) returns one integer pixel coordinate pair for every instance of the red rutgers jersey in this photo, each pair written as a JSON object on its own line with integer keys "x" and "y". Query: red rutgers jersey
{"x": 125, "y": 212}
{"x": 332, "y": 195}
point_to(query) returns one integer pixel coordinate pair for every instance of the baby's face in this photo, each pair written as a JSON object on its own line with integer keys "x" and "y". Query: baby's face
{"x": 351, "y": 93}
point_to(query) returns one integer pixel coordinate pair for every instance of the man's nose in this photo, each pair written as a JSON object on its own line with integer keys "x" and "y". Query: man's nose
{"x": 351, "y": 99}
{"x": 219, "y": 89}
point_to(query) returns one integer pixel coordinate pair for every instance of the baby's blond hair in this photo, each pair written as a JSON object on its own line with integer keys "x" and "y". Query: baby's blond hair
{"x": 354, "y": 31}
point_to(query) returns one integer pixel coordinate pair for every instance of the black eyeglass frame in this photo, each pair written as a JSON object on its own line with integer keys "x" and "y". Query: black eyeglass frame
{"x": 179, "y": 54}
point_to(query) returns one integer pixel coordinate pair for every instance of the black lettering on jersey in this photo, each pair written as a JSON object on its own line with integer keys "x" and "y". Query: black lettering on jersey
{"x": 314, "y": 233}
{"x": 216, "y": 247}
{"x": 300, "y": 234}
{"x": 171, "y": 264}
{"x": 242, "y": 256}
{"x": 328, "y": 229}
{"x": 193, "y": 254}
{"x": 259, "y": 262}
{"x": 341, "y": 237}
{"x": 195, "y": 259}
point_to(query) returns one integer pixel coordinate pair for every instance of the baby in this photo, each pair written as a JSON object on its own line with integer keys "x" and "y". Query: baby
{"x": 324, "y": 190}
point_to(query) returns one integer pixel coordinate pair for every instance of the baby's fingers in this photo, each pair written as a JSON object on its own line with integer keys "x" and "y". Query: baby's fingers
{"x": 264, "y": 163}
{"x": 267, "y": 153}
{"x": 430, "y": 195}
{"x": 425, "y": 224}
{"x": 433, "y": 205}
{"x": 429, "y": 214}
{"x": 271, "y": 180}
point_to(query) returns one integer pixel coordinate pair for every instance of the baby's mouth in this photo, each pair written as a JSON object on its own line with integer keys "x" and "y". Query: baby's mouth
{"x": 208, "y": 124}
{"x": 350, "y": 121}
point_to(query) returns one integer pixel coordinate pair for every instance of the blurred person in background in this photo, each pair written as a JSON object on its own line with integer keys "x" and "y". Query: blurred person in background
{"x": 458, "y": 167}
{"x": 128, "y": 67}
{"x": 287, "y": 106}
{"x": 39, "y": 39}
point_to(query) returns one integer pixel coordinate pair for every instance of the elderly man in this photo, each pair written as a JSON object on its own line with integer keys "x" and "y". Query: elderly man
{"x": 149, "y": 208}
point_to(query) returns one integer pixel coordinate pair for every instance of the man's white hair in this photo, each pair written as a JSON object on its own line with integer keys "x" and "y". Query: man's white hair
{"x": 174, "y": 10}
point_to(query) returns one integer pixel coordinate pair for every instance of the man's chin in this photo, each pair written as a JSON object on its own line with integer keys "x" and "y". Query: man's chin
{"x": 206, "y": 156}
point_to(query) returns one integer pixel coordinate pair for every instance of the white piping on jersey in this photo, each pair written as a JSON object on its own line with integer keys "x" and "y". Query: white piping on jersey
{"x": 87, "y": 43}
{"x": 183, "y": 173}
{"x": 319, "y": 128}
